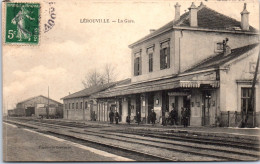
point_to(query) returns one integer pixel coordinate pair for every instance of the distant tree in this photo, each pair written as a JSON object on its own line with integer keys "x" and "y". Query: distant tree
{"x": 110, "y": 73}
{"x": 94, "y": 77}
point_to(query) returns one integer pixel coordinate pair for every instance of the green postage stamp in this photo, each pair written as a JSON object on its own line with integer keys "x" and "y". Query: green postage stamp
{"x": 22, "y": 23}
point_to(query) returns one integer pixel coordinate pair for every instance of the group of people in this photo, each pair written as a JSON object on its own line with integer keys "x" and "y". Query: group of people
{"x": 172, "y": 117}
{"x": 113, "y": 116}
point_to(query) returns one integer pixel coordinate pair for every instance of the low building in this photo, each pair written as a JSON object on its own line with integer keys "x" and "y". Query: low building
{"x": 203, "y": 61}
{"x": 39, "y": 106}
{"x": 82, "y": 106}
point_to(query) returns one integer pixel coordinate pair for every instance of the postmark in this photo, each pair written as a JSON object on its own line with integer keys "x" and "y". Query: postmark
{"x": 22, "y": 22}
{"x": 52, "y": 16}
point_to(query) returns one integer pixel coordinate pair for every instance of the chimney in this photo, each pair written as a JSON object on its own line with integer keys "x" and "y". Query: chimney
{"x": 226, "y": 48}
{"x": 244, "y": 19}
{"x": 152, "y": 30}
{"x": 177, "y": 11}
{"x": 193, "y": 15}
{"x": 201, "y": 4}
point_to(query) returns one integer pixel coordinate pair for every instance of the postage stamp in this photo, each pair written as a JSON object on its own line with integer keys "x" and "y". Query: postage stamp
{"x": 22, "y": 23}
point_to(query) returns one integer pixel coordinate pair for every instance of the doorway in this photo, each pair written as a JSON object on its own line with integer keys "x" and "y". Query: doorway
{"x": 138, "y": 105}
{"x": 129, "y": 106}
{"x": 120, "y": 110}
{"x": 165, "y": 104}
{"x": 150, "y": 106}
{"x": 186, "y": 105}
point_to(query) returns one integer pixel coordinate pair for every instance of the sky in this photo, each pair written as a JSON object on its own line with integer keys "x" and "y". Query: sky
{"x": 68, "y": 51}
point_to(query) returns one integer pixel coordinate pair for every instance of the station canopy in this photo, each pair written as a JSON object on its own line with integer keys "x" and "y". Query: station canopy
{"x": 188, "y": 81}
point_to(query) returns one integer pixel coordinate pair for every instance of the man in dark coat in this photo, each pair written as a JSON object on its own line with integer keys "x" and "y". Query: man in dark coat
{"x": 117, "y": 117}
{"x": 138, "y": 118}
{"x": 153, "y": 117}
{"x": 128, "y": 119}
{"x": 185, "y": 117}
{"x": 174, "y": 116}
{"x": 111, "y": 116}
{"x": 182, "y": 116}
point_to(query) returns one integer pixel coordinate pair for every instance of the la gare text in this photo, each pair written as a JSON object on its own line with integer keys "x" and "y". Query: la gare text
{"x": 85, "y": 20}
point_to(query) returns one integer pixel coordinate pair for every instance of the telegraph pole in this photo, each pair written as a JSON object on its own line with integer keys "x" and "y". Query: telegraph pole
{"x": 48, "y": 104}
{"x": 251, "y": 104}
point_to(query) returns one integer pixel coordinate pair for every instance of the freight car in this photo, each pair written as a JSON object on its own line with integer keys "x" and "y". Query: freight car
{"x": 54, "y": 112}
{"x": 38, "y": 112}
{"x": 19, "y": 112}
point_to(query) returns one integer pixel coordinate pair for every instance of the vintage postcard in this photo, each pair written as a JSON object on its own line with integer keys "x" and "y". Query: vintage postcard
{"x": 130, "y": 81}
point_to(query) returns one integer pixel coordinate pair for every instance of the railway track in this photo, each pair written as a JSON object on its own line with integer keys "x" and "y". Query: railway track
{"x": 247, "y": 145}
{"x": 199, "y": 150}
{"x": 167, "y": 143}
{"x": 209, "y": 140}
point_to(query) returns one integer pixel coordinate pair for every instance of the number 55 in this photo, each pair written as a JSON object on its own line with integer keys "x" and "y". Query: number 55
{"x": 10, "y": 34}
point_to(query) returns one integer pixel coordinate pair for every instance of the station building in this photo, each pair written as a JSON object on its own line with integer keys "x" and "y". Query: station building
{"x": 202, "y": 60}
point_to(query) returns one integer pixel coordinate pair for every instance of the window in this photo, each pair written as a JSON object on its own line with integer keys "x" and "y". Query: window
{"x": 137, "y": 64}
{"x": 65, "y": 106}
{"x": 165, "y": 58}
{"x": 245, "y": 99}
{"x": 76, "y": 105}
{"x": 69, "y": 105}
{"x": 150, "y": 62}
{"x": 81, "y": 105}
{"x": 72, "y": 105}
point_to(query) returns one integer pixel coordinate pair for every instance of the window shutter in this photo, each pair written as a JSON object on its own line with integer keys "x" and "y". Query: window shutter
{"x": 168, "y": 57}
{"x": 161, "y": 59}
{"x": 151, "y": 62}
{"x": 135, "y": 67}
{"x": 140, "y": 65}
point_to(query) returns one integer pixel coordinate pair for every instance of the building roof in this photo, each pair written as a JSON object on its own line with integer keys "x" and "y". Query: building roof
{"x": 220, "y": 59}
{"x": 36, "y": 97}
{"x": 208, "y": 19}
{"x": 95, "y": 89}
{"x": 186, "y": 81}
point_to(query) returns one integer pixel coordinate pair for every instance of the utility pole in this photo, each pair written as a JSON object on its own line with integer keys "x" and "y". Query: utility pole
{"x": 48, "y": 104}
{"x": 251, "y": 103}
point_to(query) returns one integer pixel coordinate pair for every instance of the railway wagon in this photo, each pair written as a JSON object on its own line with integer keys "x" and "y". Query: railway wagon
{"x": 41, "y": 112}
{"x": 19, "y": 112}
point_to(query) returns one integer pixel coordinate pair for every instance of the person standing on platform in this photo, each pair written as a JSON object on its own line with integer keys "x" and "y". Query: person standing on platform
{"x": 153, "y": 117}
{"x": 175, "y": 113}
{"x": 182, "y": 116}
{"x": 188, "y": 116}
{"x": 117, "y": 117}
{"x": 185, "y": 117}
{"x": 138, "y": 118}
{"x": 128, "y": 119}
{"x": 166, "y": 118}
{"x": 111, "y": 116}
